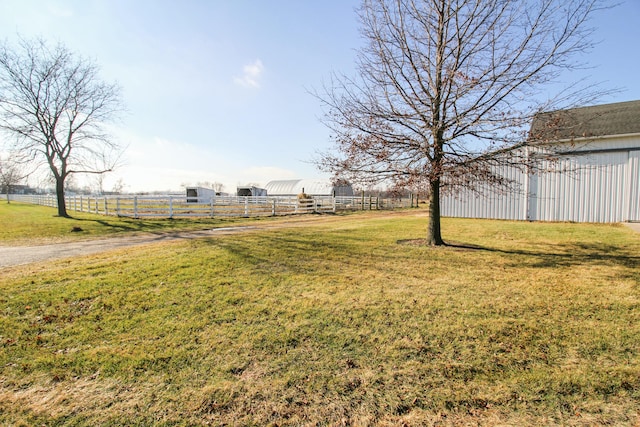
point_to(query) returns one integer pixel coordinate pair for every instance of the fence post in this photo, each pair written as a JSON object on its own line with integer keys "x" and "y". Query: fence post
{"x": 273, "y": 208}
{"x": 334, "y": 204}
{"x": 106, "y": 208}
{"x": 170, "y": 207}
{"x": 213, "y": 202}
{"x": 135, "y": 207}
{"x": 246, "y": 206}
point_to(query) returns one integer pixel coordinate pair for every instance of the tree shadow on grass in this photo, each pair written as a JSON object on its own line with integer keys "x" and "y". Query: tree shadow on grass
{"x": 131, "y": 225}
{"x": 559, "y": 255}
{"x": 283, "y": 251}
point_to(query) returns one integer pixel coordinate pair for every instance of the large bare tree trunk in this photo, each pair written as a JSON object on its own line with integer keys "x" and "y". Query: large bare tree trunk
{"x": 62, "y": 205}
{"x": 434, "y": 235}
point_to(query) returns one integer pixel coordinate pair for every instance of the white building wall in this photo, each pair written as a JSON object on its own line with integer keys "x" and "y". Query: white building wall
{"x": 313, "y": 187}
{"x": 634, "y": 186}
{"x": 585, "y": 188}
{"x": 488, "y": 203}
{"x": 592, "y": 187}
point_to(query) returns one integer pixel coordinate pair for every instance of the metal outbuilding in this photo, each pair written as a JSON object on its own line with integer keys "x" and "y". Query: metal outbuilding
{"x": 251, "y": 191}
{"x": 596, "y": 177}
{"x": 199, "y": 194}
{"x": 312, "y": 187}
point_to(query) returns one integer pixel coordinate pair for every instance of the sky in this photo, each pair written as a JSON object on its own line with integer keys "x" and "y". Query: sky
{"x": 220, "y": 90}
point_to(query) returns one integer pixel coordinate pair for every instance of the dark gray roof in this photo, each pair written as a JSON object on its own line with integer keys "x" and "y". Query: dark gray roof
{"x": 586, "y": 122}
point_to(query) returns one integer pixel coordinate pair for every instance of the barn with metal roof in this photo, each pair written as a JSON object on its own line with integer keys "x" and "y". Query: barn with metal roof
{"x": 312, "y": 187}
{"x": 596, "y": 177}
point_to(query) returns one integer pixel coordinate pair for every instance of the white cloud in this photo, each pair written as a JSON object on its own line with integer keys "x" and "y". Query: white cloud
{"x": 251, "y": 74}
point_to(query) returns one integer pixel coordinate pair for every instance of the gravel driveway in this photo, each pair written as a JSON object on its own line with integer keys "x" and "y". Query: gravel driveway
{"x": 633, "y": 225}
{"x": 18, "y": 255}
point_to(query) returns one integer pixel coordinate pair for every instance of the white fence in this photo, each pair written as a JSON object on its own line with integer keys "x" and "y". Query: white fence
{"x": 210, "y": 207}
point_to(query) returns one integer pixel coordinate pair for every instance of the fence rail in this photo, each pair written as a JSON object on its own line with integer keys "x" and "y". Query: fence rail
{"x": 210, "y": 207}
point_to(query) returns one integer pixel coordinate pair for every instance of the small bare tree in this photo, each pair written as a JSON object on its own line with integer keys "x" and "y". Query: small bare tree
{"x": 216, "y": 186}
{"x": 55, "y": 106}
{"x": 118, "y": 186}
{"x": 442, "y": 85}
{"x": 11, "y": 173}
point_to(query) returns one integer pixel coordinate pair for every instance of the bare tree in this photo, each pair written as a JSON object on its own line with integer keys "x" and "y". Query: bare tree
{"x": 118, "y": 186}
{"x": 98, "y": 184}
{"x": 56, "y": 107}
{"x": 216, "y": 186}
{"x": 443, "y": 85}
{"x": 11, "y": 173}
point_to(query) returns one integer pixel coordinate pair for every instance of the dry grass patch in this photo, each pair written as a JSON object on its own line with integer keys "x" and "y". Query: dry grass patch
{"x": 332, "y": 323}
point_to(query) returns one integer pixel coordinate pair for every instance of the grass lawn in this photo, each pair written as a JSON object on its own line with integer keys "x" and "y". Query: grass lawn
{"x": 344, "y": 321}
{"x": 25, "y": 224}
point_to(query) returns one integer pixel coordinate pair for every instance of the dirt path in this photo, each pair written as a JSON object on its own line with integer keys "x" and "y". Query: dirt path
{"x": 635, "y": 226}
{"x": 19, "y": 255}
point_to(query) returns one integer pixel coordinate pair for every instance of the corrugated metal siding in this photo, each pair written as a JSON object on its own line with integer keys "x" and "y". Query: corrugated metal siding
{"x": 316, "y": 187}
{"x": 634, "y": 186}
{"x": 488, "y": 203}
{"x": 593, "y": 187}
{"x": 313, "y": 187}
{"x": 588, "y": 188}
{"x": 283, "y": 187}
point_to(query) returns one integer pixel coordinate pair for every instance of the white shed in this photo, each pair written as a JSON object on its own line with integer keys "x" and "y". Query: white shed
{"x": 199, "y": 194}
{"x": 250, "y": 191}
{"x": 312, "y": 187}
{"x": 596, "y": 179}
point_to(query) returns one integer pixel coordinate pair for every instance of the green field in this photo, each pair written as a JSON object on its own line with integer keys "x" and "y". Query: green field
{"x": 340, "y": 320}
